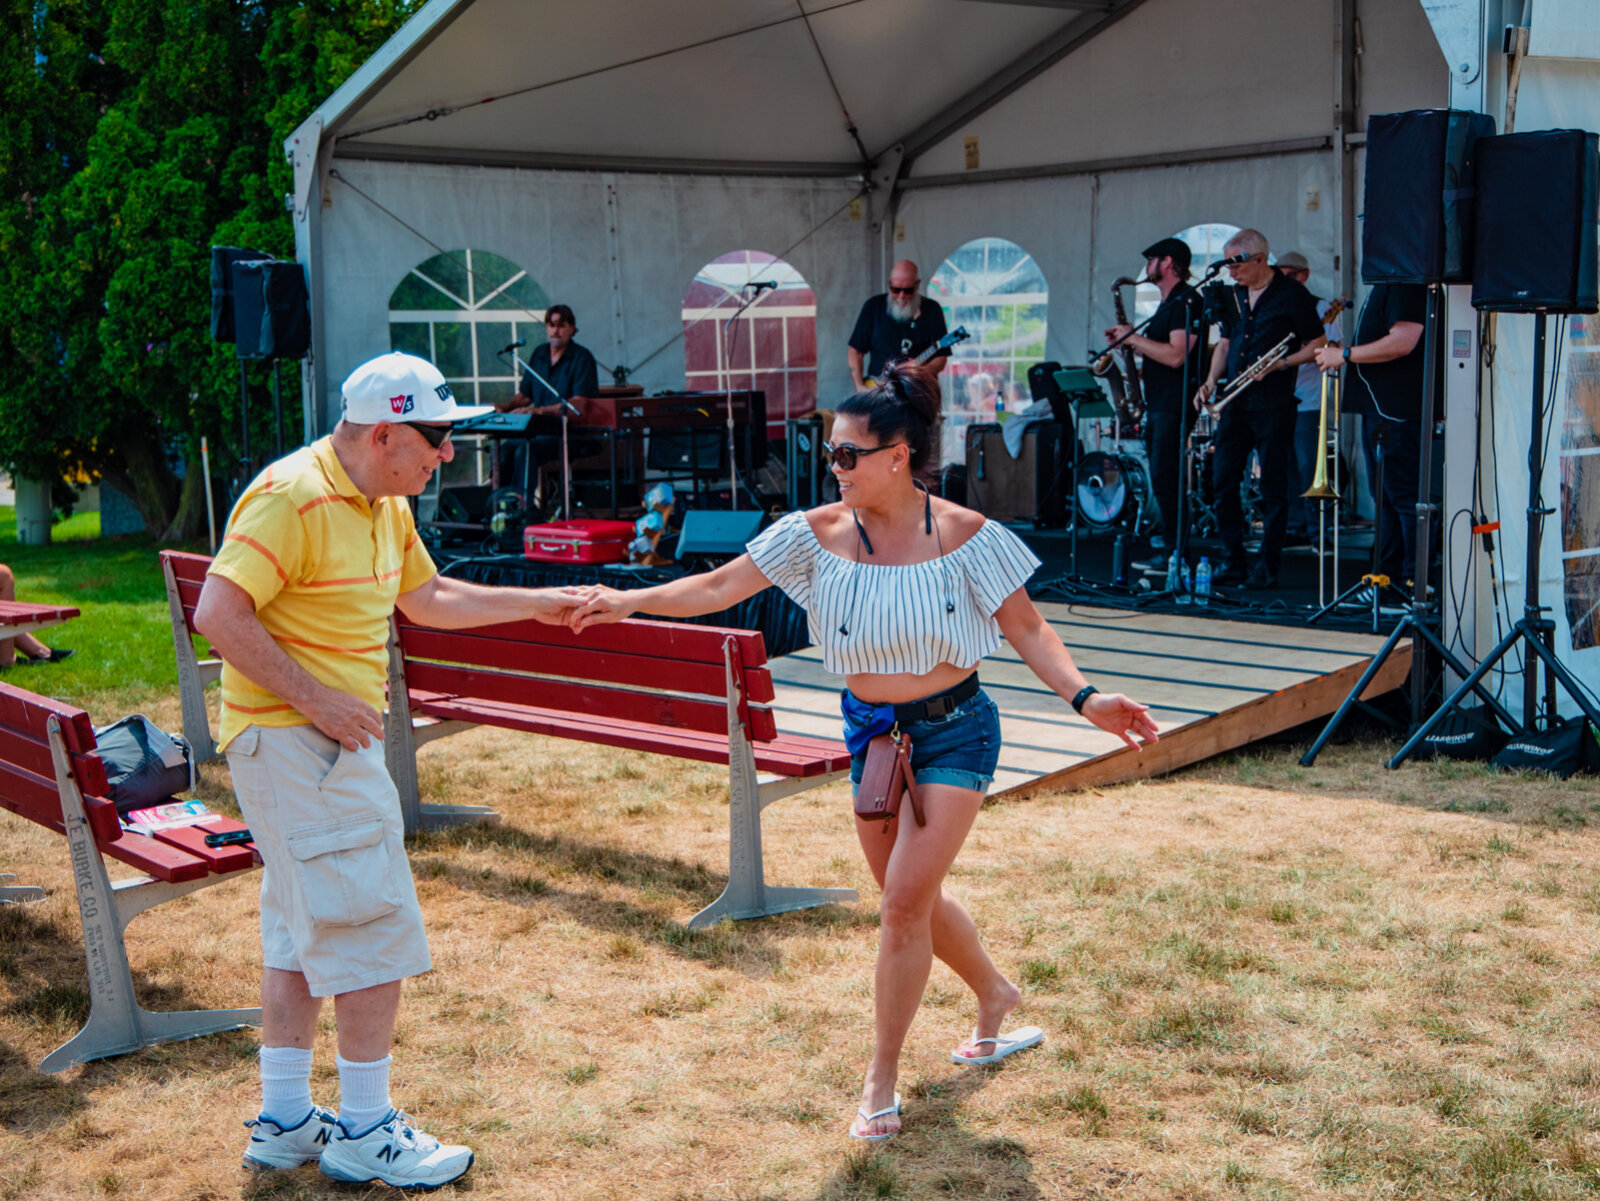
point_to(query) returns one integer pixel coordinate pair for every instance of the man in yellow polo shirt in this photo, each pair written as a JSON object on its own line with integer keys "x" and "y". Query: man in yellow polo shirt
{"x": 318, "y": 552}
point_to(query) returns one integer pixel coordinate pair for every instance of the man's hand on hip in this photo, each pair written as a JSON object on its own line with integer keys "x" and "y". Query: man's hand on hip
{"x": 348, "y": 720}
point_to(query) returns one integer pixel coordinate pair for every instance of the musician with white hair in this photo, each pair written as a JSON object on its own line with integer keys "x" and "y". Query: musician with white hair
{"x": 1262, "y": 311}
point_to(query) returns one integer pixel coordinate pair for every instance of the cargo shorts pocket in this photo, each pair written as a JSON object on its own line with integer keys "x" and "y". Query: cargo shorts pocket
{"x": 346, "y": 871}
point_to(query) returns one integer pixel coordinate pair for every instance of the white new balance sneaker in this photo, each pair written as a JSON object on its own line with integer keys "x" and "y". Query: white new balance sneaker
{"x": 396, "y": 1153}
{"x": 274, "y": 1146}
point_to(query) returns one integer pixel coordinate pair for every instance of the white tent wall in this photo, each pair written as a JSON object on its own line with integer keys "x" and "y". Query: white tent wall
{"x": 1554, "y": 94}
{"x": 556, "y": 225}
{"x": 1084, "y": 231}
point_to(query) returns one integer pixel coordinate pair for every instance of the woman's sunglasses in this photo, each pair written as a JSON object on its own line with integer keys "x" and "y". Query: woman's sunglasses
{"x": 846, "y": 455}
{"x": 437, "y": 435}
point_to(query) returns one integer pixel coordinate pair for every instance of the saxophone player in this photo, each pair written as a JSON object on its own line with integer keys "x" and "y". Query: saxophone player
{"x": 1164, "y": 344}
{"x": 1258, "y": 312}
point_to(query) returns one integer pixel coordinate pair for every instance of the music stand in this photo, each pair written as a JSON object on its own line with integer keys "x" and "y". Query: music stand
{"x": 1080, "y": 388}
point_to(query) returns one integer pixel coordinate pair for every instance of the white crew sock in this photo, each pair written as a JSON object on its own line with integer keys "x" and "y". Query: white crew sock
{"x": 285, "y": 1084}
{"x": 363, "y": 1093}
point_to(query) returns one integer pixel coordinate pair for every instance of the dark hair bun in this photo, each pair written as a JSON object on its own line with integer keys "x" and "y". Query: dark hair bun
{"x": 914, "y": 386}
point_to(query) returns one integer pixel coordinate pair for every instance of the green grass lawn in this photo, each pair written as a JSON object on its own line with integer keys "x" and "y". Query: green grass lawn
{"x": 123, "y": 636}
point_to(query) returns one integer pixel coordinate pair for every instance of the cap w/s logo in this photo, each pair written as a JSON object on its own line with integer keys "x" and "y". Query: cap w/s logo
{"x": 402, "y": 404}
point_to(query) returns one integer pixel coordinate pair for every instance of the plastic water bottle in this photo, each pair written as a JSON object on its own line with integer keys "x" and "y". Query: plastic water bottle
{"x": 1185, "y": 584}
{"x": 1202, "y": 582}
{"x": 1174, "y": 580}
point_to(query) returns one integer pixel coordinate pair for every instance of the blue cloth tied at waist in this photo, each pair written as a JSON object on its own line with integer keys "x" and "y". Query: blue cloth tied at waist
{"x": 863, "y": 722}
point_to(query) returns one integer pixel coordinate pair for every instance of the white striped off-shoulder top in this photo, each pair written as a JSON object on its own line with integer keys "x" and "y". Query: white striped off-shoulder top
{"x": 905, "y": 618}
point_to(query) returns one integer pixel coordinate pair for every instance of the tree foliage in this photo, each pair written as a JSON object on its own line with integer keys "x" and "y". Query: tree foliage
{"x": 139, "y": 133}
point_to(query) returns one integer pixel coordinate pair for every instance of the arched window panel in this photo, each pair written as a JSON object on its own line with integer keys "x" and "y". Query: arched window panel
{"x": 458, "y": 310}
{"x": 1205, "y": 243}
{"x": 996, "y": 291}
{"x": 772, "y": 346}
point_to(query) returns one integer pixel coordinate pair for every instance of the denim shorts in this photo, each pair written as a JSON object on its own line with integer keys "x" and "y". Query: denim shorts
{"x": 960, "y": 749}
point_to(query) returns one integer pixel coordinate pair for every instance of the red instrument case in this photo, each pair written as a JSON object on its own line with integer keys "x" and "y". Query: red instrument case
{"x": 578, "y": 542}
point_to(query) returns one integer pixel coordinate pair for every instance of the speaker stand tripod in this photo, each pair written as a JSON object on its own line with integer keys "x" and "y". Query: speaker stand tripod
{"x": 1535, "y": 632}
{"x": 1418, "y": 623}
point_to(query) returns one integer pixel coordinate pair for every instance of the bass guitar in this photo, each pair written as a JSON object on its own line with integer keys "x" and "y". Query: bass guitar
{"x": 955, "y": 336}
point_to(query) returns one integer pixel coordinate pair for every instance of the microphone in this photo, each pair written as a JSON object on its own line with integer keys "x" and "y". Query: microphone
{"x": 517, "y": 345}
{"x": 762, "y": 285}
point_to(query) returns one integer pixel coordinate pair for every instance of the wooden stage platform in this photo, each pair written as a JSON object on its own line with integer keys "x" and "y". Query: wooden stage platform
{"x": 1212, "y": 685}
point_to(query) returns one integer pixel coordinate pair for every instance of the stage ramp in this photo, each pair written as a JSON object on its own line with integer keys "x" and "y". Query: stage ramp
{"x": 1212, "y": 685}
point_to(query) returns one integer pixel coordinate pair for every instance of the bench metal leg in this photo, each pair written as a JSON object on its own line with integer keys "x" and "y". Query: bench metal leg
{"x": 748, "y": 894}
{"x": 400, "y": 741}
{"x": 117, "y": 1022}
{"x": 15, "y": 894}
{"x": 193, "y": 676}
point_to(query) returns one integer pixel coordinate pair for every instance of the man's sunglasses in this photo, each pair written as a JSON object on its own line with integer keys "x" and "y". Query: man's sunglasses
{"x": 437, "y": 435}
{"x": 846, "y": 455}
{"x": 911, "y": 291}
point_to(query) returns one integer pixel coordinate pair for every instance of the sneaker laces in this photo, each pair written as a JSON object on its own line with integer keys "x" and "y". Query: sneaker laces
{"x": 405, "y": 1136}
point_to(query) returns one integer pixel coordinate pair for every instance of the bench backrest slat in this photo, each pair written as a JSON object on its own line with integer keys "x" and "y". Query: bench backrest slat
{"x": 473, "y": 648}
{"x": 672, "y": 640}
{"x": 23, "y": 750}
{"x": 688, "y": 713}
{"x": 37, "y": 799}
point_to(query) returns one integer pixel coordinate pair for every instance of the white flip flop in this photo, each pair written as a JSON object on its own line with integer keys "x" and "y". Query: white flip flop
{"x": 1018, "y": 1040}
{"x": 869, "y": 1117}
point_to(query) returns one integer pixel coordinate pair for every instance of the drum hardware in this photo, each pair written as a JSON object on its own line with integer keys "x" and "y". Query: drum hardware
{"x": 1108, "y": 489}
{"x": 1250, "y": 375}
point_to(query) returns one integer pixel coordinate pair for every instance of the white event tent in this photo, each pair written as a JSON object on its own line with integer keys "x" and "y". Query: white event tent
{"x": 612, "y": 149}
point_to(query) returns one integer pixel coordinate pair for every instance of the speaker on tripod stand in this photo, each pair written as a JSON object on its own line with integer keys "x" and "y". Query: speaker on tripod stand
{"x": 1538, "y": 219}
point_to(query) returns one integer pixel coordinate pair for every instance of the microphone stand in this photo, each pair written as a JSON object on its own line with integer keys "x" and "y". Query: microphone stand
{"x": 566, "y": 407}
{"x": 729, "y": 336}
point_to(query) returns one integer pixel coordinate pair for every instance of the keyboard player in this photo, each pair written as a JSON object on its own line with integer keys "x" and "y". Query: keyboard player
{"x": 569, "y": 368}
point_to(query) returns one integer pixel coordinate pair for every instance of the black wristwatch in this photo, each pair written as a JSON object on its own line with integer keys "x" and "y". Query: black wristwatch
{"x": 1347, "y": 351}
{"x": 1084, "y": 694}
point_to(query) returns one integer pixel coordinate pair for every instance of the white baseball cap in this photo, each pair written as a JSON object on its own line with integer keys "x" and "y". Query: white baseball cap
{"x": 402, "y": 387}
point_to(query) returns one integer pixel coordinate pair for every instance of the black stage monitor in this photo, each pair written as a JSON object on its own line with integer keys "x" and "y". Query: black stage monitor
{"x": 717, "y": 532}
{"x": 1537, "y": 223}
{"x": 1418, "y": 214}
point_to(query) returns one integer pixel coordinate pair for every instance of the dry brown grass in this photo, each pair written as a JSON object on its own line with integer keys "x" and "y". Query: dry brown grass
{"x": 1257, "y": 981}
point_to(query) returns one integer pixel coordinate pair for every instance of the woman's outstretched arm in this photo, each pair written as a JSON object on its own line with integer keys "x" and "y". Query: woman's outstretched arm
{"x": 1043, "y": 651}
{"x": 689, "y": 596}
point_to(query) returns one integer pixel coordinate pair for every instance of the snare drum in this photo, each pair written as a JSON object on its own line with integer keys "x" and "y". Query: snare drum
{"x": 1110, "y": 489}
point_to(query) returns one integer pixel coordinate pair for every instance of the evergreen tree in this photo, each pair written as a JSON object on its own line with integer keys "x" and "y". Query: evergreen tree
{"x": 142, "y": 133}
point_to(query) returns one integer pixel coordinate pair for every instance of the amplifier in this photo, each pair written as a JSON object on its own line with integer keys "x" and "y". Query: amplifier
{"x": 1008, "y": 489}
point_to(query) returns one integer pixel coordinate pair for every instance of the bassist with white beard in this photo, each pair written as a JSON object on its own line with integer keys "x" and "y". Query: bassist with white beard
{"x": 896, "y": 325}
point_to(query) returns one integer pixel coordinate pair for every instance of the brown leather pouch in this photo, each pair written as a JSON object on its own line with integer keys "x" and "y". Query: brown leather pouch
{"x": 886, "y": 776}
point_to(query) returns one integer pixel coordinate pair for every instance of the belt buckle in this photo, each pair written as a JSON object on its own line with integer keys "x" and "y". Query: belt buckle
{"x": 941, "y": 706}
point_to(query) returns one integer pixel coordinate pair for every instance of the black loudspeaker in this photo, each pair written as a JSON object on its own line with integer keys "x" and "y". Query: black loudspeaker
{"x": 1538, "y": 221}
{"x": 1418, "y": 223}
{"x": 222, "y": 260}
{"x": 717, "y": 532}
{"x": 271, "y": 306}
{"x": 703, "y": 451}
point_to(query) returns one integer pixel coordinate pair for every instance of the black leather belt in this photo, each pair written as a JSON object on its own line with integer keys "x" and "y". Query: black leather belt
{"x": 939, "y": 705}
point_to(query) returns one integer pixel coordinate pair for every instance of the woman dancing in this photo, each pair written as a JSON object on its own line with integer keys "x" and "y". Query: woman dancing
{"x": 905, "y": 593}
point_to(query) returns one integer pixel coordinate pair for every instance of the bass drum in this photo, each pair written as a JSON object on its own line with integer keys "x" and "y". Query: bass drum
{"x": 1110, "y": 489}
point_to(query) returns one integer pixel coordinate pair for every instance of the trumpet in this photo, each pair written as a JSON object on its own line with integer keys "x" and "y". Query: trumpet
{"x": 1250, "y": 375}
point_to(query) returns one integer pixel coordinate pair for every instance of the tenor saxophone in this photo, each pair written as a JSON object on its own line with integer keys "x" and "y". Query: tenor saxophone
{"x": 1127, "y": 397}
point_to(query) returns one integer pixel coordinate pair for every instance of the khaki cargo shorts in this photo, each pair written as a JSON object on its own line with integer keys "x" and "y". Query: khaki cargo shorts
{"x": 337, "y": 900}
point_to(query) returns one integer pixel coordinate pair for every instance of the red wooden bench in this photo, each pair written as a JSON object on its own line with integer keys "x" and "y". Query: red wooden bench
{"x": 18, "y": 617}
{"x": 185, "y": 575}
{"x": 51, "y": 775}
{"x": 690, "y": 692}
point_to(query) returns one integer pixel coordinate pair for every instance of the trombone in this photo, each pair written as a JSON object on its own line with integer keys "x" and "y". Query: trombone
{"x": 1325, "y": 485}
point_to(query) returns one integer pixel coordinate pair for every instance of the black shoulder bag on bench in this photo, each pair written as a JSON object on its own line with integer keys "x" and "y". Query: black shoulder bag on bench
{"x": 145, "y": 765}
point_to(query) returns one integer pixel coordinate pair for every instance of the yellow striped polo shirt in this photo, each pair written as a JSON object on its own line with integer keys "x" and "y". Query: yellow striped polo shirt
{"x": 323, "y": 568}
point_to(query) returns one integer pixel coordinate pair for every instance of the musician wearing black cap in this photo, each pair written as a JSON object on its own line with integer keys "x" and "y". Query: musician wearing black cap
{"x": 1263, "y": 309}
{"x": 1164, "y": 345}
